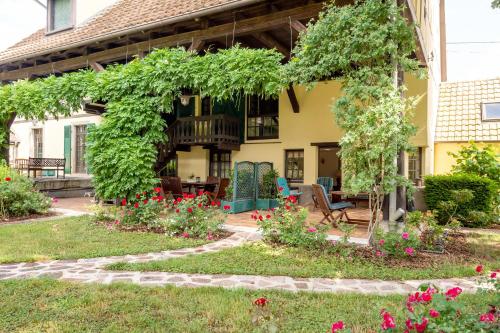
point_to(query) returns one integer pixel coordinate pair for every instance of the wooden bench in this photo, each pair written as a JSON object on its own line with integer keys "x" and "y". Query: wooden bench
{"x": 46, "y": 164}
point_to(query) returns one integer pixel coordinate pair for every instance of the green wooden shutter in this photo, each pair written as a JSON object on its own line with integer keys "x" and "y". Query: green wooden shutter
{"x": 67, "y": 148}
{"x": 89, "y": 169}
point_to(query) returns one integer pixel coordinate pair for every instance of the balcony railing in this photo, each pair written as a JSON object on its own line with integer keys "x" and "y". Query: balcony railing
{"x": 221, "y": 131}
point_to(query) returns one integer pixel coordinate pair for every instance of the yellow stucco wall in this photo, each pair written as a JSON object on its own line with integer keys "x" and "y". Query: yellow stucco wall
{"x": 443, "y": 162}
{"x": 314, "y": 124}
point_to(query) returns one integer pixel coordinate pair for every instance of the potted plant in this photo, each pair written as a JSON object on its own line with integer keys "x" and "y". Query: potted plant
{"x": 267, "y": 196}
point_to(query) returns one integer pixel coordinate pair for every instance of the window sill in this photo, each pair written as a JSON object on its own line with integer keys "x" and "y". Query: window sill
{"x": 51, "y": 32}
{"x": 250, "y": 141}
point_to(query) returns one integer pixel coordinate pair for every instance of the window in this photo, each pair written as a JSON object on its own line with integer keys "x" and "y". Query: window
{"x": 415, "y": 165}
{"x": 220, "y": 163}
{"x": 170, "y": 169}
{"x": 491, "y": 112}
{"x": 294, "y": 165}
{"x": 60, "y": 14}
{"x": 80, "y": 140}
{"x": 262, "y": 118}
{"x": 38, "y": 142}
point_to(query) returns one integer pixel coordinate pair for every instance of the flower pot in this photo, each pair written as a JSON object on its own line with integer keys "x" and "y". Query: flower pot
{"x": 264, "y": 204}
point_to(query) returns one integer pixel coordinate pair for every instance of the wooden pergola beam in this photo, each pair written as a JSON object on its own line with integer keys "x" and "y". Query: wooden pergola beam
{"x": 242, "y": 27}
{"x": 196, "y": 45}
{"x": 298, "y": 26}
{"x": 293, "y": 99}
{"x": 96, "y": 66}
{"x": 271, "y": 42}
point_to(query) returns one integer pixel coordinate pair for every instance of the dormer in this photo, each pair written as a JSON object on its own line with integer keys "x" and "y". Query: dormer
{"x": 66, "y": 14}
{"x": 61, "y": 15}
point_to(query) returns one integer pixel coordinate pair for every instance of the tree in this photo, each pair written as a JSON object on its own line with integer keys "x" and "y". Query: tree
{"x": 482, "y": 162}
{"x": 359, "y": 45}
{"x": 495, "y": 4}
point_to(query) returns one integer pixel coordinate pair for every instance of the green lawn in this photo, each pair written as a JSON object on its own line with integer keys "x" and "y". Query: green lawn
{"x": 73, "y": 238}
{"x": 261, "y": 259}
{"x": 51, "y": 306}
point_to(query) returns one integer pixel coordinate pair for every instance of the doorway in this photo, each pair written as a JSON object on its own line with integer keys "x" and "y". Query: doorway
{"x": 329, "y": 164}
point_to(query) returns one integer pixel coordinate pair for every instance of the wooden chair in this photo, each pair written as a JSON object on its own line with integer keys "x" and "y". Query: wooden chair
{"x": 327, "y": 208}
{"x": 327, "y": 183}
{"x": 211, "y": 184}
{"x": 172, "y": 186}
{"x": 220, "y": 190}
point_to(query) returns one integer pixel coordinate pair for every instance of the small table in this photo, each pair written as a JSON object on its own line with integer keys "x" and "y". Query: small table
{"x": 196, "y": 185}
{"x": 337, "y": 196}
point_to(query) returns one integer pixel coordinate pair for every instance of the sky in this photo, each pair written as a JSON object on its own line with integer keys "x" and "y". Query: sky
{"x": 466, "y": 21}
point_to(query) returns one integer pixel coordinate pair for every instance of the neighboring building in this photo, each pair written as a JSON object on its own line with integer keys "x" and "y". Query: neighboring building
{"x": 468, "y": 111}
{"x": 296, "y": 132}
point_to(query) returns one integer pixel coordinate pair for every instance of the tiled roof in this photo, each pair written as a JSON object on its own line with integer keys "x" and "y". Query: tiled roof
{"x": 459, "y": 111}
{"x": 119, "y": 17}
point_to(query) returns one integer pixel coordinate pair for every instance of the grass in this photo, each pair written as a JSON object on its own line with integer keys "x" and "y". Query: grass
{"x": 261, "y": 259}
{"x": 73, "y": 238}
{"x": 52, "y": 306}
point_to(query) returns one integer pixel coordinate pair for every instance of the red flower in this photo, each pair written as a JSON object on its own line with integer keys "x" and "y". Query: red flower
{"x": 269, "y": 216}
{"x": 160, "y": 197}
{"x": 280, "y": 189}
{"x": 433, "y": 313}
{"x": 157, "y": 189}
{"x": 8, "y": 179}
{"x": 177, "y": 210}
{"x": 117, "y": 222}
{"x": 190, "y": 210}
{"x": 124, "y": 202}
{"x": 381, "y": 242}
{"x": 136, "y": 205}
{"x": 493, "y": 275}
{"x": 261, "y": 217}
{"x": 145, "y": 201}
{"x": 227, "y": 207}
{"x": 200, "y": 192}
{"x": 388, "y": 321}
{"x": 287, "y": 207}
{"x": 200, "y": 205}
{"x": 426, "y": 297}
{"x": 487, "y": 317}
{"x": 408, "y": 324}
{"x": 378, "y": 254}
{"x": 292, "y": 199}
{"x": 453, "y": 292}
{"x": 185, "y": 235}
{"x": 479, "y": 268}
{"x": 138, "y": 196}
{"x": 218, "y": 203}
{"x": 262, "y": 301}
{"x": 213, "y": 204}
{"x": 422, "y": 326}
{"x": 339, "y": 325}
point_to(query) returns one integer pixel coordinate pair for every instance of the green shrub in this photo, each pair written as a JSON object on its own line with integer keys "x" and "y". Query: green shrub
{"x": 441, "y": 197}
{"x": 18, "y": 197}
{"x": 482, "y": 162}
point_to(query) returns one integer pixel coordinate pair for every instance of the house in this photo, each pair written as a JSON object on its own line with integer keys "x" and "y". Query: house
{"x": 296, "y": 132}
{"x": 467, "y": 111}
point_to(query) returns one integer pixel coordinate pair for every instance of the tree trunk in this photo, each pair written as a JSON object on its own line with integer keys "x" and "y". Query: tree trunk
{"x": 4, "y": 148}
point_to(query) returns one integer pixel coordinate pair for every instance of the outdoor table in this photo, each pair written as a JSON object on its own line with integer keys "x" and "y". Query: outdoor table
{"x": 196, "y": 185}
{"x": 337, "y": 196}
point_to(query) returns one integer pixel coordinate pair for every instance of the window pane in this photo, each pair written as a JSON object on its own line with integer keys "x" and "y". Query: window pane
{"x": 262, "y": 118}
{"x": 61, "y": 14}
{"x": 492, "y": 111}
{"x": 294, "y": 165}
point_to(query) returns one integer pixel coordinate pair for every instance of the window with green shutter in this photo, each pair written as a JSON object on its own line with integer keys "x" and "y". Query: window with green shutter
{"x": 67, "y": 148}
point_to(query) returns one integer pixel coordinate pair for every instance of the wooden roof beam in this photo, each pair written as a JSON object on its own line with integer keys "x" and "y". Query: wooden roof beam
{"x": 270, "y": 42}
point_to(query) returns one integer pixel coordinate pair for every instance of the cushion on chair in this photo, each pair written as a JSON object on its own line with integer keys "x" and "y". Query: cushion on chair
{"x": 340, "y": 205}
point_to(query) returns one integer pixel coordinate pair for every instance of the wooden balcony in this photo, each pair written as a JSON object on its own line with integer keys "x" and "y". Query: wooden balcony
{"x": 218, "y": 131}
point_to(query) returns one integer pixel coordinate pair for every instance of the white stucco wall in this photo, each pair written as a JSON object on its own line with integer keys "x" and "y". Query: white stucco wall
{"x": 53, "y": 135}
{"x": 87, "y": 8}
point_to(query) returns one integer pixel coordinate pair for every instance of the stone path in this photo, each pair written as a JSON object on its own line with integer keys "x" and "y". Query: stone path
{"x": 91, "y": 271}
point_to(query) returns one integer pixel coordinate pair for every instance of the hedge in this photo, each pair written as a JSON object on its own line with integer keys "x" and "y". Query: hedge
{"x": 439, "y": 188}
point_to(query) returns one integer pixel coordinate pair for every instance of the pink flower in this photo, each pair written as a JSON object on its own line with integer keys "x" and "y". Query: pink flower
{"x": 312, "y": 229}
{"x": 493, "y": 275}
{"x": 420, "y": 328}
{"x": 453, "y": 292}
{"x": 117, "y": 222}
{"x": 487, "y": 317}
{"x": 405, "y": 235}
{"x": 378, "y": 254}
{"x": 55, "y": 200}
{"x": 409, "y": 251}
{"x": 479, "y": 268}
{"x": 381, "y": 242}
{"x": 433, "y": 313}
{"x": 388, "y": 321}
{"x": 185, "y": 235}
{"x": 339, "y": 325}
{"x": 209, "y": 236}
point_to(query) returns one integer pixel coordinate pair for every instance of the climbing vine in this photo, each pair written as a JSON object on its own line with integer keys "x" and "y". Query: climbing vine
{"x": 122, "y": 150}
{"x": 361, "y": 45}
